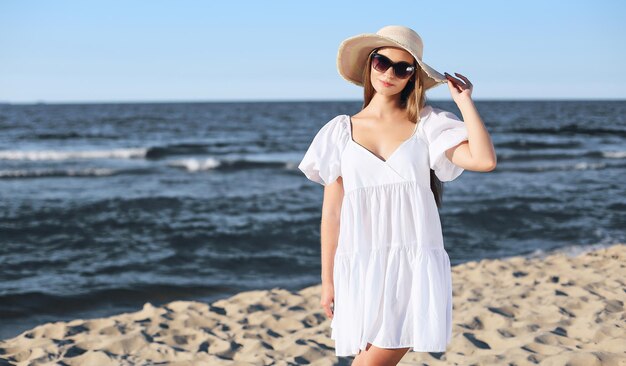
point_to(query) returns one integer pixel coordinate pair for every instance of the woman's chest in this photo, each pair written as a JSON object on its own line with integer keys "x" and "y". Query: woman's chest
{"x": 362, "y": 168}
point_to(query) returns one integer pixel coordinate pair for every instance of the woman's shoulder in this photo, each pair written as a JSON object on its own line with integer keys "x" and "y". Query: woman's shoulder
{"x": 339, "y": 124}
{"x": 429, "y": 111}
{"x": 339, "y": 121}
{"x": 322, "y": 160}
{"x": 335, "y": 130}
{"x": 437, "y": 115}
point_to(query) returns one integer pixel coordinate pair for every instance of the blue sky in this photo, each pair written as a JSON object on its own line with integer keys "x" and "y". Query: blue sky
{"x": 109, "y": 51}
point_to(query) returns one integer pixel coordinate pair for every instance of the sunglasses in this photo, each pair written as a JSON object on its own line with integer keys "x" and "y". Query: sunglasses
{"x": 401, "y": 69}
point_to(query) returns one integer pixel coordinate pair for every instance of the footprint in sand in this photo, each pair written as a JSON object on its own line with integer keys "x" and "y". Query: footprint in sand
{"x": 476, "y": 324}
{"x": 506, "y": 311}
{"x": 476, "y": 342}
{"x": 506, "y": 333}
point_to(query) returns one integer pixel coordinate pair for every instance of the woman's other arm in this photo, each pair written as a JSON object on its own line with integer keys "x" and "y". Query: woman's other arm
{"x": 329, "y": 232}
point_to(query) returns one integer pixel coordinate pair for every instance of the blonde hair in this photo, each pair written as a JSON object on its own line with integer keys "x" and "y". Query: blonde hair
{"x": 412, "y": 99}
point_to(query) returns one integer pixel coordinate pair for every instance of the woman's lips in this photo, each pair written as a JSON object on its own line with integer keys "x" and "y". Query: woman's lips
{"x": 386, "y": 83}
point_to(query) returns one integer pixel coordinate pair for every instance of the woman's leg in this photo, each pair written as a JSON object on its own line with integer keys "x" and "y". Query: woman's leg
{"x": 375, "y": 356}
{"x": 359, "y": 360}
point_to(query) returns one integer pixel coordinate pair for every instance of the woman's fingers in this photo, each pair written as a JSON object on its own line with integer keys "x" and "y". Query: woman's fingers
{"x": 453, "y": 86}
{"x": 329, "y": 313}
{"x": 464, "y": 78}
{"x": 452, "y": 78}
{"x": 326, "y": 306}
{"x": 456, "y": 84}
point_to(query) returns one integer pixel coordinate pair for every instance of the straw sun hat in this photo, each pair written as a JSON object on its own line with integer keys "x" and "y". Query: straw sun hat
{"x": 354, "y": 51}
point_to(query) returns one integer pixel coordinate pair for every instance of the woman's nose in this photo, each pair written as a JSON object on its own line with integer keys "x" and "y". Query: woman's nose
{"x": 389, "y": 73}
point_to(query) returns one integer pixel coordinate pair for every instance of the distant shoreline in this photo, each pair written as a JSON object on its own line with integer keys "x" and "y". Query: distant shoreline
{"x": 252, "y": 101}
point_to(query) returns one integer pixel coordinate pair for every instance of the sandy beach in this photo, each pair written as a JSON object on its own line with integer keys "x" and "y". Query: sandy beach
{"x": 558, "y": 310}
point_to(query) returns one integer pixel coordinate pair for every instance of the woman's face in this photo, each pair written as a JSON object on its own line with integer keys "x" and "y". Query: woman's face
{"x": 378, "y": 78}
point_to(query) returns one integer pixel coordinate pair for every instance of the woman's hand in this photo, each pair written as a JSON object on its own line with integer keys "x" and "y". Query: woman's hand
{"x": 460, "y": 90}
{"x": 328, "y": 298}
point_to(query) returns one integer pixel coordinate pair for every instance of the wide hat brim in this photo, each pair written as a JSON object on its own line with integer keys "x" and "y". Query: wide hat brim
{"x": 353, "y": 53}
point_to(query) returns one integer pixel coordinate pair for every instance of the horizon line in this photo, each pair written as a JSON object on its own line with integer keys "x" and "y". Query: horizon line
{"x": 191, "y": 101}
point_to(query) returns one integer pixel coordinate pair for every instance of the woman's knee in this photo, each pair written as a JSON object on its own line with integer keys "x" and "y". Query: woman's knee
{"x": 359, "y": 359}
{"x": 376, "y": 356}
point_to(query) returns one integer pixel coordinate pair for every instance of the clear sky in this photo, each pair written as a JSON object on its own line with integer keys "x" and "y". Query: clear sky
{"x": 110, "y": 51}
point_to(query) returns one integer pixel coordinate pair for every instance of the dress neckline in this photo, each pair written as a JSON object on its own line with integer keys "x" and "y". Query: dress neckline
{"x": 398, "y": 148}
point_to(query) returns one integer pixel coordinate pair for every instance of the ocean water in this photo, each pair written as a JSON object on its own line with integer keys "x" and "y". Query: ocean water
{"x": 107, "y": 206}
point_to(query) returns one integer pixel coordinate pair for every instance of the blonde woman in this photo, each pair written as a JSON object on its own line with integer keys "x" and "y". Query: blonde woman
{"x": 386, "y": 277}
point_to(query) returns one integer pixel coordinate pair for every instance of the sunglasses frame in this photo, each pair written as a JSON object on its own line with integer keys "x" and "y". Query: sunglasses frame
{"x": 395, "y": 65}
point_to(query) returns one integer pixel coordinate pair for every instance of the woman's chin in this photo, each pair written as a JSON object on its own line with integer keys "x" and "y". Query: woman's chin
{"x": 385, "y": 91}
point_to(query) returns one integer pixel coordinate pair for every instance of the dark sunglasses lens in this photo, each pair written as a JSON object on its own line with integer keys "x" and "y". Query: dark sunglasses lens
{"x": 380, "y": 62}
{"x": 403, "y": 70}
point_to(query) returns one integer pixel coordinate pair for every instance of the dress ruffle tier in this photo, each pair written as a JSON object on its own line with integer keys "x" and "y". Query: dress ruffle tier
{"x": 393, "y": 288}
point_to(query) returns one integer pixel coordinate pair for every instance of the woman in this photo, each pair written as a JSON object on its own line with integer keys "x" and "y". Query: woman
{"x": 384, "y": 267}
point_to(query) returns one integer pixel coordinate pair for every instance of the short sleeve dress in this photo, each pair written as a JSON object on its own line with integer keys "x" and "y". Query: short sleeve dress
{"x": 391, "y": 273}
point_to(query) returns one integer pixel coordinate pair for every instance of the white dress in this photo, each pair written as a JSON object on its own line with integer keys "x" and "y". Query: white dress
{"x": 391, "y": 273}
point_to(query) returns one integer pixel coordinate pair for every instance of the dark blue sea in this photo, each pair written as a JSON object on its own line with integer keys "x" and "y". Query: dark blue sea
{"x": 104, "y": 207}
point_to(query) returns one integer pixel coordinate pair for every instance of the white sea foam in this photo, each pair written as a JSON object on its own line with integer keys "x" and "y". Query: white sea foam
{"x": 588, "y": 166}
{"x": 22, "y": 173}
{"x": 128, "y": 153}
{"x": 194, "y": 165}
{"x": 614, "y": 154}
